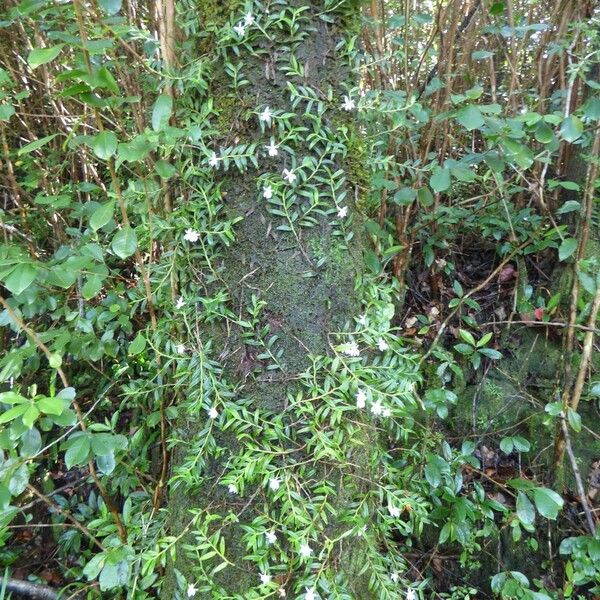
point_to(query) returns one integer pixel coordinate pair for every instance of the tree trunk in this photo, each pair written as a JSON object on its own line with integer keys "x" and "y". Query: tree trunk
{"x": 290, "y": 281}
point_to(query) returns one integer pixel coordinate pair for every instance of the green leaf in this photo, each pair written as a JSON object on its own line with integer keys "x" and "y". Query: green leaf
{"x": 135, "y": 150}
{"x": 568, "y": 246}
{"x": 440, "y": 180}
{"x": 574, "y": 419}
{"x": 525, "y": 510}
{"x": 571, "y": 128}
{"x": 161, "y": 113}
{"x": 470, "y": 118}
{"x": 30, "y": 415}
{"x": 507, "y": 445}
{"x": 164, "y": 169}
{"x": 548, "y": 502}
{"x": 13, "y": 413}
{"x": 425, "y": 196}
{"x": 569, "y": 206}
{"x": 543, "y": 133}
{"x": 467, "y": 337}
{"x": 92, "y": 286}
{"x": 138, "y": 345}
{"x": 372, "y": 261}
{"x": 481, "y": 54}
{"x": 12, "y": 398}
{"x": 490, "y": 353}
{"x": 104, "y": 145}
{"x": 78, "y": 451}
{"x": 41, "y": 56}
{"x": 124, "y": 243}
{"x": 55, "y": 361}
{"x": 27, "y": 148}
{"x": 106, "y": 80}
{"x": 6, "y": 111}
{"x": 21, "y": 278}
{"x": 595, "y": 389}
{"x": 113, "y": 576}
{"x": 19, "y": 480}
{"x": 111, "y": 7}
{"x": 102, "y": 215}
{"x": 52, "y": 405}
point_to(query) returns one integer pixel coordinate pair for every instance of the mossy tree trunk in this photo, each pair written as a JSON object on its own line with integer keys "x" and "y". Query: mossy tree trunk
{"x": 268, "y": 475}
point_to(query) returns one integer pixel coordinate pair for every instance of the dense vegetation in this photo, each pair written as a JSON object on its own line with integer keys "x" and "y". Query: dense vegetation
{"x": 299, "y": 299}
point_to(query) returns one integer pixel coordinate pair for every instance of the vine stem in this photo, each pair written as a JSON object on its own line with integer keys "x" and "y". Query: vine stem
{"x": 38, "y": 342}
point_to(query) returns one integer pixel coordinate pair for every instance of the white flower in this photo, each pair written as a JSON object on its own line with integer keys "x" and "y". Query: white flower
{"x": 395, "y": 577}
{"x": 272, "y": 149}
{"x": 411, "y": 594}
{"x": 376, "y": 408}
{"x": 248, "y": 19}
{"x": 362, "y": 320}
{"x": 180, "y": 349}
{"x": 266, "y": 116}
{"x": 271, "y": 537}
{"x": 386, "y": 412}
{"x": 265, "y": 579}
{"x": 191, "y": 235}
{"x": 274, "y": 483}
{"x": 305, "y": 551}
{"x": 342, "y": 212}
{"x": 240, "y": 29}
{"x": 213, "y": 413}
{"x": 232, "y": 488}
{"x": 180, "y": 303}
{"x": 310, "y": 594}
{"x": 351, "y": 349}
{"x": 382, "y": 345}
{"x": 191, "y": 591}
{"x": 267, "y": 192}
{"x": 394, "y": 511}
{"x": 281, "y": 591}
{"x": 213, "y": 161}
{"x": 361, "y": 399}
{"x": 290, "y": 176}
{"x": 348, "y": 103}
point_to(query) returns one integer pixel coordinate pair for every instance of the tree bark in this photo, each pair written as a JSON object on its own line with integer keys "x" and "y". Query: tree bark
{"x": 306, "y": 279}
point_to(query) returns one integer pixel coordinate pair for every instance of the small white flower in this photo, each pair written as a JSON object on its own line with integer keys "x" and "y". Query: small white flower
{"x": 395, "y": 577}
{"x": 191, "y": 235}
{"x": 271, "y": 537}
{"x": 213, "y": 413}
{"x": 274, "y": 483}
{"x": 351, "y": 349}
{"x": 248, "y": 19}
{"x": 362, "y": 320}
{"x": 180, "y": 303}
{"x": 266, "y": 116}
{"x": 281, "y": 591}
{"x": 348, "y": 103}
{"x": 213, "y": 161}
{"x": 232, "y": 488}
{"x": 310, "y": 594}
{"x": 411, "y": 594}
{"x": 180, "y": 349}
{"x": 290, "y": 176}
{"x": 386, "y": 412}
{"x": 191, "y": 591}
{"x": 305, "y": 551}
{"x": 376, "y": 408}
{"x": 240, "y": 29}
{"x": 361, "y": 399}
{"x": 382, "y": 345}
{"x": 342, "y": 212}
{"x": 267, "y": 192}
{"x": 394, "y": 511}
{"x": 272, "y": 149}
{"x": 265, "y": 579}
